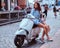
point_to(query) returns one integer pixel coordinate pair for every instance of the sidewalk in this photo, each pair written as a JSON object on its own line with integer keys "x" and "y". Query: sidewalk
{"x": 55, "y": 43}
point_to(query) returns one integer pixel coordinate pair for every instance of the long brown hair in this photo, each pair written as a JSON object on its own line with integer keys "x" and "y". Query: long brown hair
{"x": 38, "y": 8}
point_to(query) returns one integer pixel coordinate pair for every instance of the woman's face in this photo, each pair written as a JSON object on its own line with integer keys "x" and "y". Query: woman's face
{"x": 35, "y": 5}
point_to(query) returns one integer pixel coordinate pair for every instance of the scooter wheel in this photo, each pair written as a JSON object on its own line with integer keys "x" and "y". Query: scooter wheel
{"x": 19, "y": 40}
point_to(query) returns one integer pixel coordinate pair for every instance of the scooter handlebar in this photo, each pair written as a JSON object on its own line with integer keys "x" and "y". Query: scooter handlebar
{"x": 30, "y": 16}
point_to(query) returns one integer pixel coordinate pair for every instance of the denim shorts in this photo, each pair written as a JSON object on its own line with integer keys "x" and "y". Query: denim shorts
{"x": 37, "y": 21}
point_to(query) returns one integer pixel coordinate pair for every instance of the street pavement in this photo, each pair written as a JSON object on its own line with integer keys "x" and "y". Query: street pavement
{"x": 7, "y": 32}
{"x": 55, "y": 43}
{"x": 54, "y": 33}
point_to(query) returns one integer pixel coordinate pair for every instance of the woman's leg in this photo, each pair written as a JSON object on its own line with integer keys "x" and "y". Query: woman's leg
{"x": 45, "y": 30}
{"x": 43, "y": 34}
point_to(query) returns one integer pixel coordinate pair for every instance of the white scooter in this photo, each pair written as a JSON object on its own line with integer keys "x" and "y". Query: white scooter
{"x": 27, "y": 31}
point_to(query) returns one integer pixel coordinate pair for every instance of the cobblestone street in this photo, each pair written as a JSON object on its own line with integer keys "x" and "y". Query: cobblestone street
{"x": 7, "y": 32}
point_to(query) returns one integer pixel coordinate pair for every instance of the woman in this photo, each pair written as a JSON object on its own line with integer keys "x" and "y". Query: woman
{"x": 45, "y": 9}
{"x": 36, "y": 13}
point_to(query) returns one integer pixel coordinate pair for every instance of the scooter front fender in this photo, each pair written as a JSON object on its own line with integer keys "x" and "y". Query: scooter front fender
{"x": 21, "y": 32}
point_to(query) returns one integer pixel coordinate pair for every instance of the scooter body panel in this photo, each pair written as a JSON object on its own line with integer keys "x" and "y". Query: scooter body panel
{"x": 26, "y": 24}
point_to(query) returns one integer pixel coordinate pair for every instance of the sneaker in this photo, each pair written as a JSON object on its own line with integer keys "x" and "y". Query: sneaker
{"x": 42, "y": 42}
{"x": 49, "y": 40}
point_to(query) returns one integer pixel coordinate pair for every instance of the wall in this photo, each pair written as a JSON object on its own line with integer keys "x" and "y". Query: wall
{"x": 22, "y": 3}
{"x": 0, "y": 4}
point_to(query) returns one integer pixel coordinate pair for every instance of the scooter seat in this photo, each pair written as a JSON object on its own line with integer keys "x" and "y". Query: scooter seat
{"x": 34, "y": 26}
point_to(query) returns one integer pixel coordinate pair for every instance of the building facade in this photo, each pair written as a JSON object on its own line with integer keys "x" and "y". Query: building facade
{"x": 21, "y": 3}
{"x": 0, "y": 4}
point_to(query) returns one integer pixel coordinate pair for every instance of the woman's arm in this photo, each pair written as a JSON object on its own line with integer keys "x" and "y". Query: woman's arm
{"x": 32, "y": 11}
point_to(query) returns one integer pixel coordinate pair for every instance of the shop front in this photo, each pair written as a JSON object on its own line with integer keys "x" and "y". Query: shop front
{"x": 21, "y": 3}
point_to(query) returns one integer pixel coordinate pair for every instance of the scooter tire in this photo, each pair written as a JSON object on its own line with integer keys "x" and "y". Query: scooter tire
{"x": 18, "y": 41}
